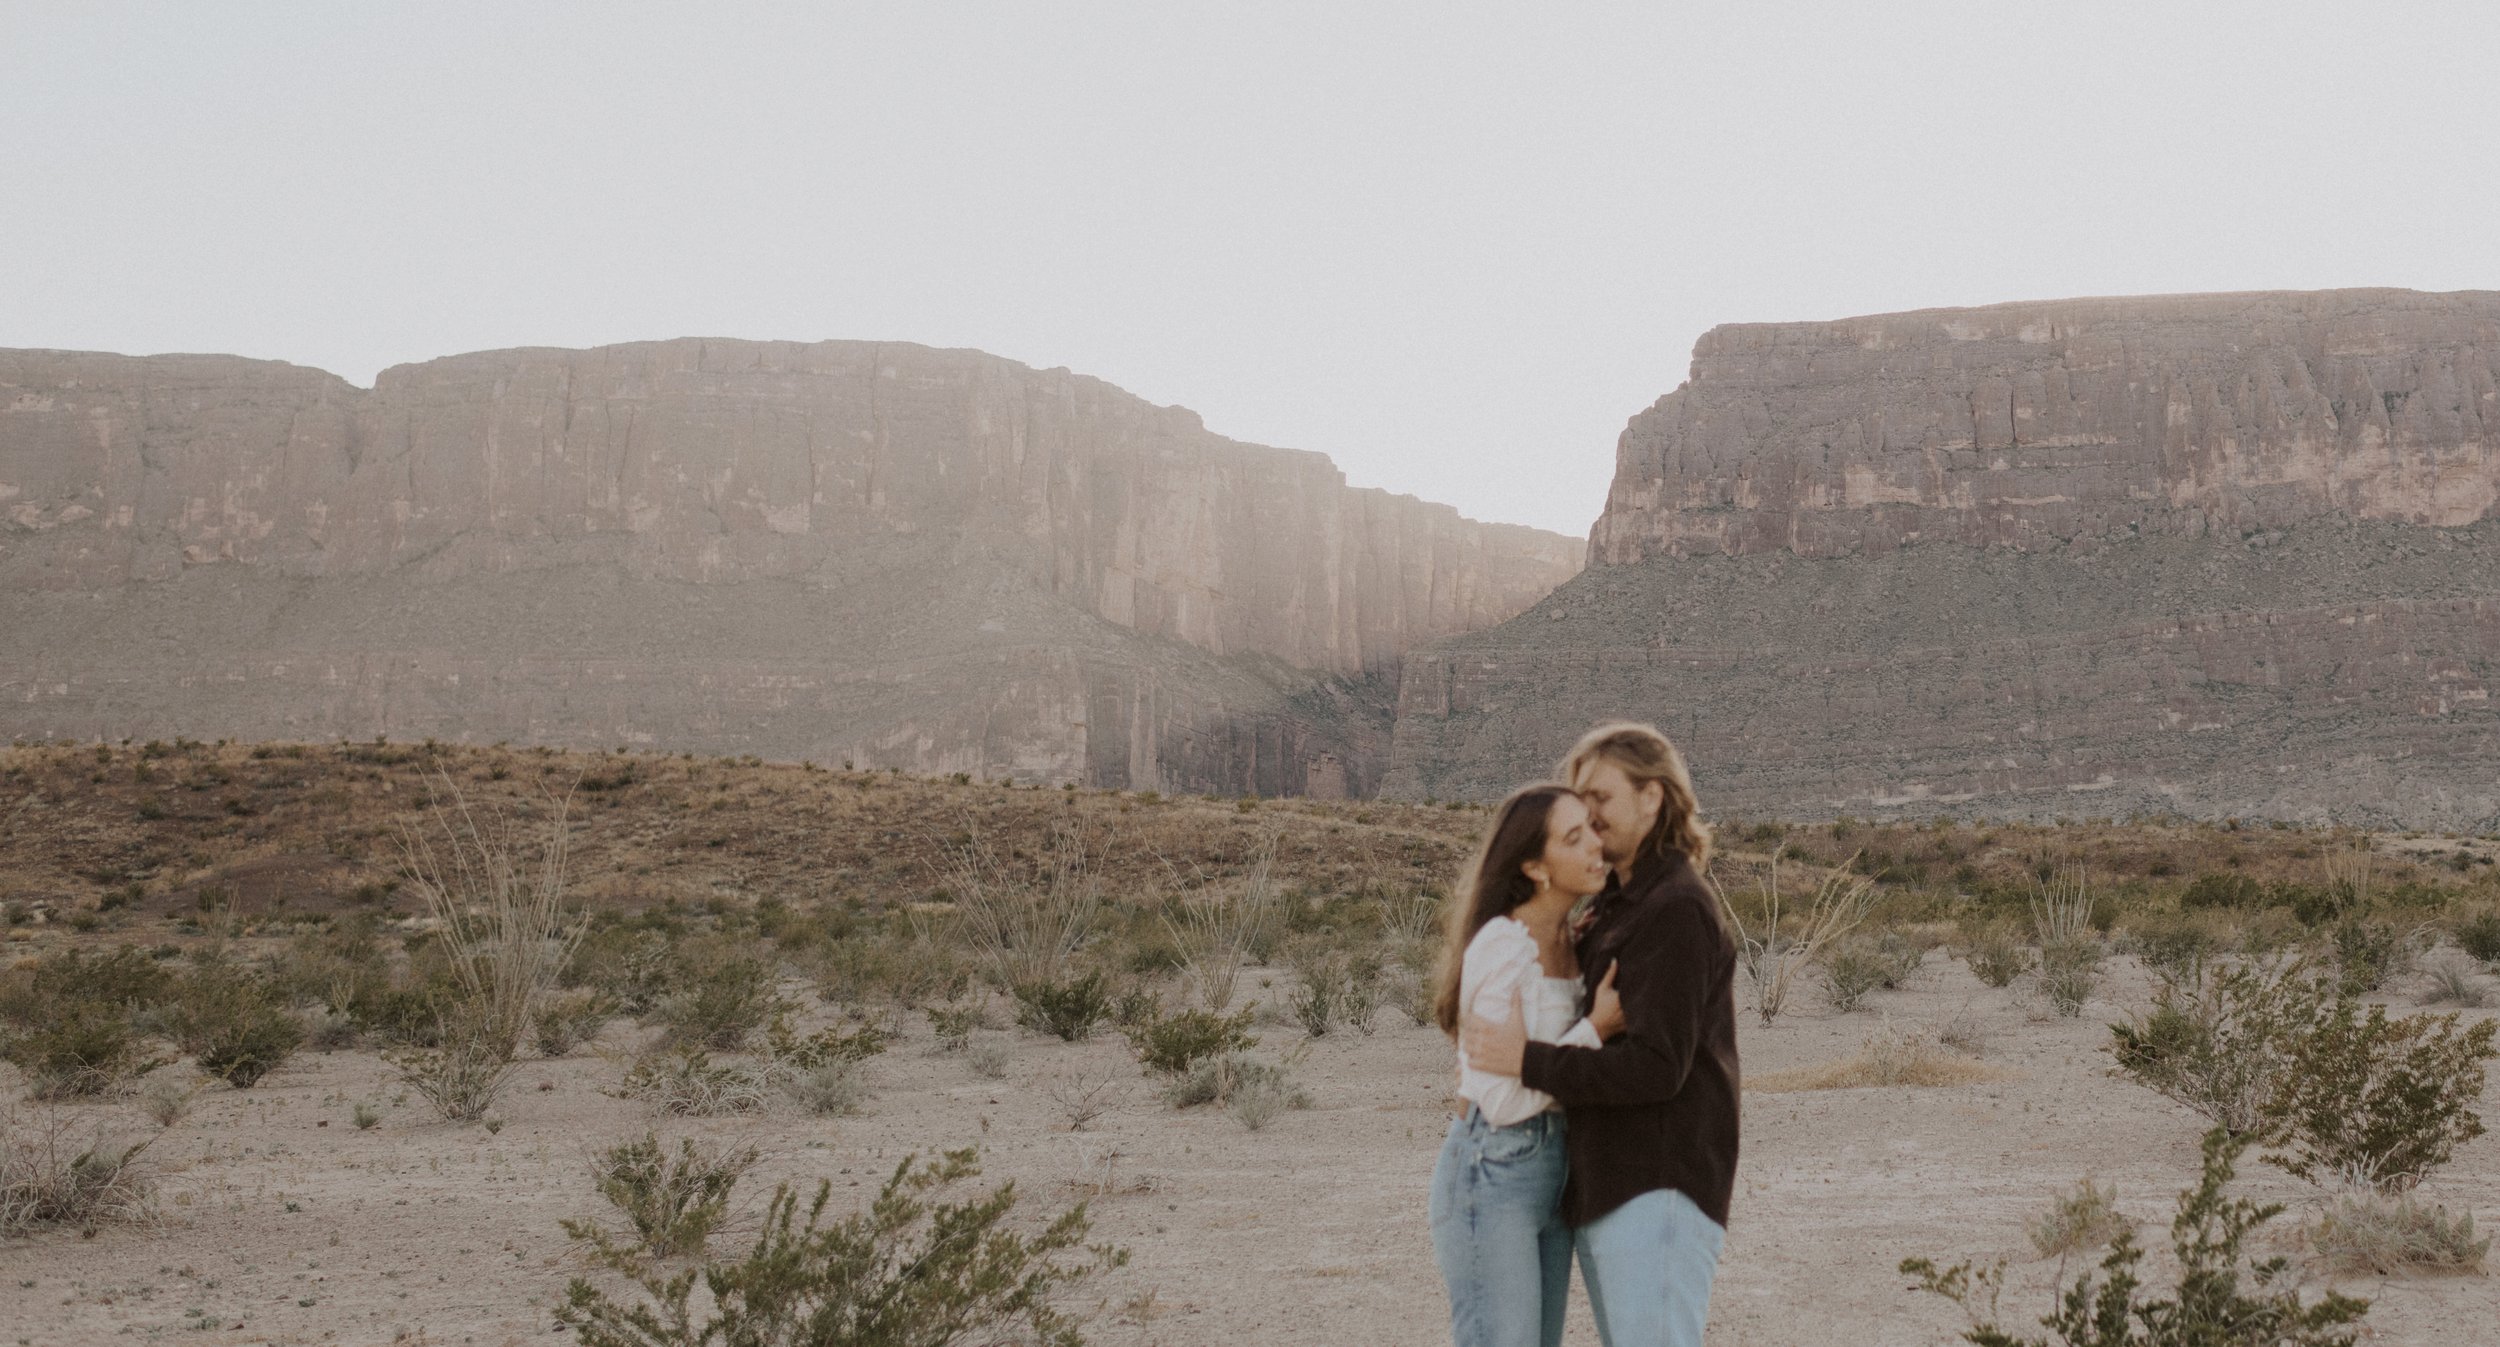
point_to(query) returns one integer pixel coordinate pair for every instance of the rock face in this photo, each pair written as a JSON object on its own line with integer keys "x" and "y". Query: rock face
{"x": 903, "y": 556}
{"x": 2217, "y": 554}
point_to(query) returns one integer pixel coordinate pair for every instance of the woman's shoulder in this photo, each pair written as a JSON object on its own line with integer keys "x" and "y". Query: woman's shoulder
{"x": 1500, "y": 937}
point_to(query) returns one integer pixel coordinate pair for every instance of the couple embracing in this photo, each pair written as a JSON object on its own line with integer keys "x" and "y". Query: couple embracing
{"x": 1597, "y": 1059}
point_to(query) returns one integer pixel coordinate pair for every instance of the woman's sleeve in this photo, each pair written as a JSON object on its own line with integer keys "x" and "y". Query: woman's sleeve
{"x": 1494, "y": 968}
{"x": 1581, "y": 1035}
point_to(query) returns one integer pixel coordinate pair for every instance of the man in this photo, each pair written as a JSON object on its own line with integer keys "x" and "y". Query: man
{"x": 1652, "y": 1115}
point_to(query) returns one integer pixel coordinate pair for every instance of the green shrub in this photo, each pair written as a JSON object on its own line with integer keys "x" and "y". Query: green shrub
{"x": 2174, "y": 950}
{"x": 465, "y": 1069}
{"x": 953, "y": 1026}
{"x": 84, "y": 1049}
{"x": 716, "y": 1006}
{"x": 125, "y": 979}
{"x": 2221, "y": 889}
{"x": 906, "y": 1270}
{"x": 566, "y": 1020}
{"x": 2376, "y": 1101}
{"x": 1849, "y": 973}
{"x": 1996, "y": 958}
{"x": 2368, "y": 952}
{"x": 2479, "y": 936}
{"x": 1336, "y": 987}
{"x": 2069, "y": 969}
{"x": 2220, "y": 1043}
{"x": 235, "y": 1023}
{"x": 2223, "y": 1297}
{"x": 673, "y": 1207}
{"x": 1070, "y": 1008}
{"x": 1171, "y": 1044}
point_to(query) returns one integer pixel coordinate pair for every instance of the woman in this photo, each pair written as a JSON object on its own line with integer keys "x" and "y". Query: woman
{"x": 1497, "y": 1227}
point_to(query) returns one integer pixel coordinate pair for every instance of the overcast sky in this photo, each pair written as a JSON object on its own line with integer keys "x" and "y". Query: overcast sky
{"x": 1455, "y": 251}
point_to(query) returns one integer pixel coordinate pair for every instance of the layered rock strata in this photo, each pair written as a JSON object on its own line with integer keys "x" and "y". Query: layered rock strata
{"x": 2218, "y": 555}
{"x": 933, "y": 559}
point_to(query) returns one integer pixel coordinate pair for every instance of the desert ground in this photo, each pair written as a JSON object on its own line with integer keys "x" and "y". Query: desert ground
{"x": 275, "y": 1218}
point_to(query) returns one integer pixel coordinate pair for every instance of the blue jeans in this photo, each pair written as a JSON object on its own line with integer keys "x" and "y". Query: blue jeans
{"x": 1498, "y": 1232}
{"x": 1648, "y": 1266}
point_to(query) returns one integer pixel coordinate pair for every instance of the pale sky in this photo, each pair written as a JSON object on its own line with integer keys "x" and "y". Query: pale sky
{"x": 1453, "y": 247}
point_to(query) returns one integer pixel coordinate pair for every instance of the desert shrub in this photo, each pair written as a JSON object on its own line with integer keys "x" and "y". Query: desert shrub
{"x": 1070, "y": 1010}
{"x": 1259, "y": 1098}
{"x": 329, "y": 1030}
{"x": 466, "y": 1069}
{"x": 987, "y": 1060}
{"x": 2374, "y": 1101}
{"x": 953, "y": 1026}
{"x": 365, "y": 1115}
{"x": 2087, "y": 1218}
{"x": 2369, "y": 952}
{"x": 1215, "y": 935}
{"x": 1216, "y": 1080}
{"x": 2374, "y": 1232}
{"x": 2223, "y": 1296}
{"x": 234, "y": 1023}
{"x": 688, "y": 1085}
{"x": 673, "y": 1207}
{"x": 124, "y": 979}
{"x": 719, "y": 1003}
{"x": 51, "y": 1177}
{"x": 830, "y": 1089}
{"x": 863, "y": 969}
{"x": 906, "y": 1270}
{"x": 1084, "y": 1095}
{"x": 1777, "y": 944}
{"x": 498, "y": 911}
{"x": 166, "y": 1101}
{"x": 84, "y": 1048}
{"x": 2454, "y": 981}
{"x": 1335, "y": 987}
{"x": 2479, "y": 936}
{"x": 1996, "y": 958}
{"x": 2069, "y": 969}
{"x": 2221, "y": 889}
{"x": 633, "y": 968}
{"x": 1024, "y": 922}
{"x": 1171, "y": 1044}
{"x": 1849, "y": 973}
{"x": 2176, "y": 949}
{"x": 406, "y": 1015}
{"x": 566, "y": 1020}
{"x": 2221, "y": 1043}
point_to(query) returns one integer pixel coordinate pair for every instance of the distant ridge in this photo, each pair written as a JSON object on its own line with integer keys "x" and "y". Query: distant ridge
{"x": 880, "y": 552}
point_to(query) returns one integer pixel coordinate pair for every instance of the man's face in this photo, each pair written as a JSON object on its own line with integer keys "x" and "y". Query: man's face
{"x": 1622, "y": 813}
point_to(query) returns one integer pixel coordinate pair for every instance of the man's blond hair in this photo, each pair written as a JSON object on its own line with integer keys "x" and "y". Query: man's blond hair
{"x": 1645, "y": 755}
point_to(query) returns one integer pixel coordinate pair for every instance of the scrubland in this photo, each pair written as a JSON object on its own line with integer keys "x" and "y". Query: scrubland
{"x": 336, "y": 1043}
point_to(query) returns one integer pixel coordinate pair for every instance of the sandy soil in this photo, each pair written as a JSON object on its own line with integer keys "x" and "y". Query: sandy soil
{"x": 284, "y": 1224}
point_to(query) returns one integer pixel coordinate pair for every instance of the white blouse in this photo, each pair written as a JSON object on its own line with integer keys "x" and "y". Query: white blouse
{"x": 1500, "y": 958}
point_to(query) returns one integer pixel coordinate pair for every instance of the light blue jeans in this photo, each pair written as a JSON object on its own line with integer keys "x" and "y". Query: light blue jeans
{"x": 1648, "y": 1266}
{"x": 1498, "y": 1232}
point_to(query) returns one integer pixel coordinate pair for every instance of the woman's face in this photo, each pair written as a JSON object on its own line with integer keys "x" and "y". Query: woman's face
{"x": 1574, "y": 860}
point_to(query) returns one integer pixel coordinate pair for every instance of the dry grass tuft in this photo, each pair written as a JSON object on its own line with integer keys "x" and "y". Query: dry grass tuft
{"x": 2368, "y": 1232}
{"x": 1893, "y": 1056}
{"x": 2087, "y": 1218}
{"x": 50, "y": 1177}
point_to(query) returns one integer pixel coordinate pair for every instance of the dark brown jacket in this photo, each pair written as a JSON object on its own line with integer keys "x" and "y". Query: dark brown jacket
{"x": 1656, "y": 1106}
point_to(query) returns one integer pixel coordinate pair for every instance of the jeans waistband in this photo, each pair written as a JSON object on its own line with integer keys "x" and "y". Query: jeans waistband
{"x": 1551, "y": 1120}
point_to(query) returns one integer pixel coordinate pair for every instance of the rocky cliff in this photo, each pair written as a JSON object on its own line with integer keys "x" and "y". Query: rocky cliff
{"x": 2218, "y": 554}
{"x": 882, "y": 552}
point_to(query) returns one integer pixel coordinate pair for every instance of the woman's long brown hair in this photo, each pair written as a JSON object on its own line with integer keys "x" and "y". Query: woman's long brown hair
{"x": 1493, "y": 884}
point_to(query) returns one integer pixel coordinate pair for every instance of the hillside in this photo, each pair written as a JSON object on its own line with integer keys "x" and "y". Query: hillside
{"x": 2213, "y": 555}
